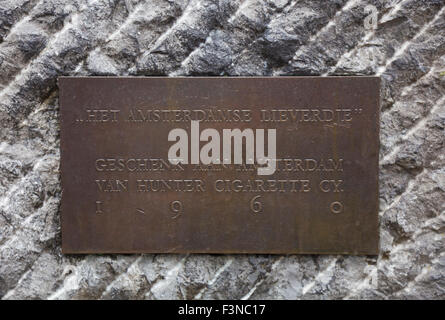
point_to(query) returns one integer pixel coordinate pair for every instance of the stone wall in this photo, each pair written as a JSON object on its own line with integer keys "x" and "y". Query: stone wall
{"x": 43, "y": 39}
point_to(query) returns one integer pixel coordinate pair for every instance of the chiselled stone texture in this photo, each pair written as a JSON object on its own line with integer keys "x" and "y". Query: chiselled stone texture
{"x": 43, "y": 39}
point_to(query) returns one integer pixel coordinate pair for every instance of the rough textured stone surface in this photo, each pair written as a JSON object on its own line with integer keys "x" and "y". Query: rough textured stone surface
{"x": 43, "y": 39}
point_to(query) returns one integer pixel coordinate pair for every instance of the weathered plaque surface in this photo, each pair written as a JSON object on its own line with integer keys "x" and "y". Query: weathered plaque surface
{"x": 151, "y": 165}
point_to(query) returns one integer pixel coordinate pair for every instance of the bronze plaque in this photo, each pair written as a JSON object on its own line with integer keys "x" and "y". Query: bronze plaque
{"x": 220, "y": 165}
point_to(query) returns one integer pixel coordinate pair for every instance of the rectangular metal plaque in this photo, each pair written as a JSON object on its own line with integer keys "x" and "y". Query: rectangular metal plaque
{"x": 220, "y": 165}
